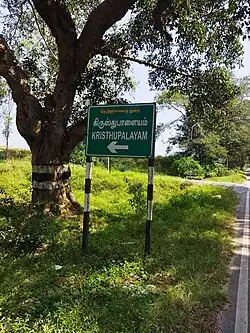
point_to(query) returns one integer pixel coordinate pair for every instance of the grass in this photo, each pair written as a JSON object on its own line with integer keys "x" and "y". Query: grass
{"x": 113, "y": 287}
{"x": 238, "y": 178}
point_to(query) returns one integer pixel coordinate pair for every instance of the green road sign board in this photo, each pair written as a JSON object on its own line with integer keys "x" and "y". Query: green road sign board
{"x": 121, "y": 130}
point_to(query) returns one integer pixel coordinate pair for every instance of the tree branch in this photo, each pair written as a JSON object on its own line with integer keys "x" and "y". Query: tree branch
{"x": 58, "y": 19}
{"x": 29, "y": 109}
{"x": 104, "y": 50}
{"x": 40, "y": 32}
{"x": 19, "y": 19}
{"x": 75, "y": 134}
{"x": 161, "y": 68}
{"x": 99, "y": 21}
{"x": 172, "y": 105}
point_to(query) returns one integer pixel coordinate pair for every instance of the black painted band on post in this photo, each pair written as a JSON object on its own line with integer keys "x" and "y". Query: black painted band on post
{"x": 151, "y": 162}
{"x": 150, "y": 192}
{"x": 86, "y": 219}
{"x": 87, "y": 185}
{"x": 88, "y": 159}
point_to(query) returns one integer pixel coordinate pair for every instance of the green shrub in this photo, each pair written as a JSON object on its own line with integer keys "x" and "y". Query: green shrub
{"x": 2, "y": 155}
{"x": 187, "y": 167}
{"x": 164, "y": 164}
{"x": 235, "y": 171}
{"x": 136, "y": 191}
{"x": 219, "y": 170}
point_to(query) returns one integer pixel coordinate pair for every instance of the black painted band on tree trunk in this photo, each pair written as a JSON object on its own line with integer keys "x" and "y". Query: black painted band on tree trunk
{"x": 46, "y": 177}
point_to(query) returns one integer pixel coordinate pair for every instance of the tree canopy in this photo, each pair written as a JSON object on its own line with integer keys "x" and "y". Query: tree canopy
{"x": 214, "y": 123}
{"x": 59, "y": 56}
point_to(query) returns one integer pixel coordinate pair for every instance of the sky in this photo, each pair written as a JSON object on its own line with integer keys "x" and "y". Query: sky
{"x": 143, "y": 94}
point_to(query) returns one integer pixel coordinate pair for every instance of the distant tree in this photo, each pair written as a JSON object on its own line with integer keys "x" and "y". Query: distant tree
{"x": 235, "y": 136}
{"x": 7, "y": 129}
{"x": 214, "y": 123}
{"x": 6, "y": 119}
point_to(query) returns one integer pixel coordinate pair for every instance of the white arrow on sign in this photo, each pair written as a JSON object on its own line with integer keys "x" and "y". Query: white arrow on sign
{"x": 113, "y": 146}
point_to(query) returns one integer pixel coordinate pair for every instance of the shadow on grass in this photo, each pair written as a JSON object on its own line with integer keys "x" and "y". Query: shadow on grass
{"x": 113, "y": 287}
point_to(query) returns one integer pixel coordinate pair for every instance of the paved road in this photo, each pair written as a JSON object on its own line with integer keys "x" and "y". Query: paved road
{"x": 235, "y": 319}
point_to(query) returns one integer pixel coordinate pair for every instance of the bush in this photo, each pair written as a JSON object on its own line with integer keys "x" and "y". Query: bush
{"x": 2, "y": 155}
{"x": 235, "y": 171}
{"x": 219, "y": 170}
{"x": 187, "y": 167}
{"x": 137, "y": 193}
{"x": 164, "y": 164}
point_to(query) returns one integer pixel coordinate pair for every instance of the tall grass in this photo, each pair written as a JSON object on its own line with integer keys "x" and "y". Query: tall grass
{"x": 49, "y": 285}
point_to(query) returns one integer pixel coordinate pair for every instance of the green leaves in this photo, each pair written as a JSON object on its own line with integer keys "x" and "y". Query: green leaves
{"x": 214, "y": 126}
{"x": 137, "y": 200}
{"x": 184, "y": 42}
{"x": 189, "y": 168}
{"x": 181, "y": 35}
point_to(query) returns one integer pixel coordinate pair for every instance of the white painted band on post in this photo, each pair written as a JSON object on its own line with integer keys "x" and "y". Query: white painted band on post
{"x": 150, "y": 210}
{"x": 88, "y": 170}
{"x": 50, "y": 168}
{"x": 87, "y": 202}
{"x": 150, "y": 175}
{"x": 241, "y": 318}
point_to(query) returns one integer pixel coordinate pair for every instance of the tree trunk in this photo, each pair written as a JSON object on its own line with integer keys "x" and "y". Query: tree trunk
{"x": 7, "y": 148}
{"x": 51, "y": 180}
{"x": 44, "y": 126}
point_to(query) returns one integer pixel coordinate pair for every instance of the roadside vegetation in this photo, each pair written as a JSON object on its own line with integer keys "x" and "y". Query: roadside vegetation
{"x": 14, "y": 153}
{"x": 84, "y": 57}
{"x": 48, "y": 285}
{"x": 238, "y": 177}
{"x": 171, "y": 165}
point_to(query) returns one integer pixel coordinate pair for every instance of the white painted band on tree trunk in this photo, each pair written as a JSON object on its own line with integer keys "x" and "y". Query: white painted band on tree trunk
{"x": 49, "y": 185}
{"x": 50, "y": 168}
{"x": 150, "y": 210}
{"x": 150, "y": 175}
{"x": 88, "y": 170}
{"x": 87, "y": 202}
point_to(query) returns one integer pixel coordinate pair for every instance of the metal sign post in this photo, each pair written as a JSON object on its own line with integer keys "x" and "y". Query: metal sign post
{"x": 85, "y": 231}
{"x": 109, "y": 164}
{"x": 150, "y": 191}
{"x": 121, "y": 131}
